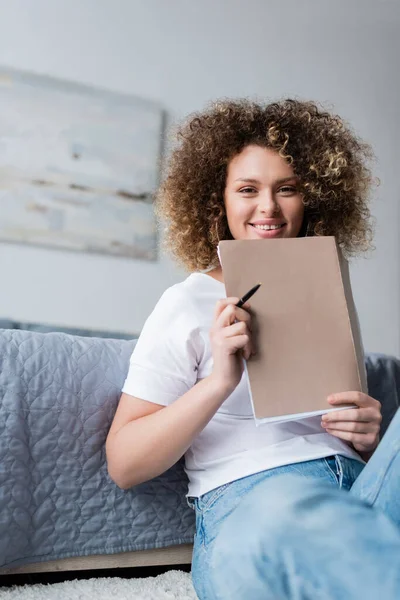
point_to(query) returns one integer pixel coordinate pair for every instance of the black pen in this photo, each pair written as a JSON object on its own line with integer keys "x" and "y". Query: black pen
{"x": 247, "y": 296}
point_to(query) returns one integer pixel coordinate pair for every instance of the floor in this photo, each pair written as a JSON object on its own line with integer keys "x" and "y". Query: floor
{"x": 10, "y": 580}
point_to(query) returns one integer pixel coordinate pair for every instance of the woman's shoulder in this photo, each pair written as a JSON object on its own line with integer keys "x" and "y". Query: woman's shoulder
{"x": 195, "y": 287}
{"x": 193, "y": 298}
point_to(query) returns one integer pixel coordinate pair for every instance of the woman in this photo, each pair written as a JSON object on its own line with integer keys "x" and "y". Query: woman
{"x": 247, "y": 171}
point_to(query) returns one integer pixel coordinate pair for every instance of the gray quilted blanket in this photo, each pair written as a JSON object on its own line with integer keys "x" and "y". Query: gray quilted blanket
{"x": 58, "y": 395}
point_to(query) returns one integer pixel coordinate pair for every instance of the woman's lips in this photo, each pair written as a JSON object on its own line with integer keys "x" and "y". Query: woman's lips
{"x": 268, "y": 233}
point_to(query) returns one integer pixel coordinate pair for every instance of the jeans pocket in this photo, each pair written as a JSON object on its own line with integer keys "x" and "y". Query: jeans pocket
{"x": 206, "y": 501}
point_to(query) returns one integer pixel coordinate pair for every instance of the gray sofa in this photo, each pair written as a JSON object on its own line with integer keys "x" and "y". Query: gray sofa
{"x": 59, "y": 509}
{"x": 58, "y": 395}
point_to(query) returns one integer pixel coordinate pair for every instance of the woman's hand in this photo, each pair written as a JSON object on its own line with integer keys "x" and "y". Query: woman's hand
{"x": 230, "y": 341}
{"x": 360, "y": 426}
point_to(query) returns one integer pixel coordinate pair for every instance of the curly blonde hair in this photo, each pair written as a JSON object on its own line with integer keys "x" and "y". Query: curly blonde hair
{"x": 326, "y": 155}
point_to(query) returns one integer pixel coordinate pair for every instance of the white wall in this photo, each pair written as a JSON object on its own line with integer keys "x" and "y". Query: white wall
{"x": 183, "y": 54}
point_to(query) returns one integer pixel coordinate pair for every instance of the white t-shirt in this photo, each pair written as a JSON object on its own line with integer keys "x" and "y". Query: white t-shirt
{"x": 173, "y": 353}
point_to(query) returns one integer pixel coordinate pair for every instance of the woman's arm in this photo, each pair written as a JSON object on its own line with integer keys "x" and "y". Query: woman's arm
{"x": 146, "y": 438}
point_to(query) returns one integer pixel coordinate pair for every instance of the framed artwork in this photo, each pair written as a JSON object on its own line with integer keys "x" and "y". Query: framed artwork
{"x": 79, "y": 167}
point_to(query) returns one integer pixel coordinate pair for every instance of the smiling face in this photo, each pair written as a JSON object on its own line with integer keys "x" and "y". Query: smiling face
{"x": 262, "y": 197}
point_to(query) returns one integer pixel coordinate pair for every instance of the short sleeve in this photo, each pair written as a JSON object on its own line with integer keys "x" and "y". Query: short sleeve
{"x": 164, "y": 362}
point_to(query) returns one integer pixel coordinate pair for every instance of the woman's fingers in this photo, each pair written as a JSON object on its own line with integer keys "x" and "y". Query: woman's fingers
{"x": 360, "y": 425}
{"x": 351, "y": 426}
{"x": 239, "y": 342}
{"x": 353, "y": 414}
{"x": 231, "y": 322}
{"x": 363, "y": 442}
{"x": 358, "y": 398}
{"x": 222, "y": 304}
{"x": 230, "y": 313}
{"x": 240, "y": 329}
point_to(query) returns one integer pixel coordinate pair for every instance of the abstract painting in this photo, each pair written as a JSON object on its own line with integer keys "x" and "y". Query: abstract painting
{"x": 79, "y": 167}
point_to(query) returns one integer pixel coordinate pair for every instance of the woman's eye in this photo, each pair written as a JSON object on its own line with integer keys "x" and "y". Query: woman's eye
{"x": 288, "y": 189}
{"x": 248, "y": 190}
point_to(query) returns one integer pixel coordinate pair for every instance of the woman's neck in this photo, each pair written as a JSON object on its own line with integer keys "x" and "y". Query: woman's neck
{"x": 216, "y": 274}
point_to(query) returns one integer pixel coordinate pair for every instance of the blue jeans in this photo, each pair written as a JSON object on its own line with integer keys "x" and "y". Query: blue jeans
{"x": 326, "y": 529}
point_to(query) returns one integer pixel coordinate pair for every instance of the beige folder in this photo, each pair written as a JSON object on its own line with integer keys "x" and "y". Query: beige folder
{"x": 305, "y": 325}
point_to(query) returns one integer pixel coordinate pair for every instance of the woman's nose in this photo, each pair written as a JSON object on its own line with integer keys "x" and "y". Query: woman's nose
{"x": 268, "y": 204}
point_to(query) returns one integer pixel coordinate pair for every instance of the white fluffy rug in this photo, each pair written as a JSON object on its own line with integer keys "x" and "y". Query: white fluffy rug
{"x": 173, "y": 585}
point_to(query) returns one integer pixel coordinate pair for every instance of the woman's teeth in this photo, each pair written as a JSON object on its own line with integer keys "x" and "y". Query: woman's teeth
{"x": 268, "y": 227}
